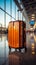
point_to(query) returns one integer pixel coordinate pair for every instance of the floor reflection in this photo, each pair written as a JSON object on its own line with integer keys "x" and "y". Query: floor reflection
{"x": 21, "y": 59}
{"x": 16, "y": 57}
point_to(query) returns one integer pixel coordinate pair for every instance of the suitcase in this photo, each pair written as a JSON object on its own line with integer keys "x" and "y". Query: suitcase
{"x": 16, "y": 34}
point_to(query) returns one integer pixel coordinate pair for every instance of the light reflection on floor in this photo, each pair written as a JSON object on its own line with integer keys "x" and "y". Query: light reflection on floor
{"x": 18, "y": 58}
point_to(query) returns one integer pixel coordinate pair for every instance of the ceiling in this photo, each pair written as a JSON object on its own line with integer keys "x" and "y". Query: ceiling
{"x": 30, "y": 6}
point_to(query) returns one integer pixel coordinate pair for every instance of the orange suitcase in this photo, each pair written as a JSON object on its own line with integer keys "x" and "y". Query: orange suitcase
{"x": 16, "y": 34}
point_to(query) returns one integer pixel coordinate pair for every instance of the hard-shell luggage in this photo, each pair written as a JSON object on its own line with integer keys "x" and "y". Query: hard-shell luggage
{"x": 17, "y": 34}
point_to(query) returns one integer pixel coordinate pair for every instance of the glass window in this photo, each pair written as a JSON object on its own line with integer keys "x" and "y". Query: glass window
{"x": 16, "y": 13}
{"x": 13, "y": 9}
{"x": 23, "y": 18}
{"x": 19, "y": 15}
{"x": 8, "y": 6}
{"x": 7, "y": 20}
{"x": 2, "y": 3}
{"x": 1, "y": 18}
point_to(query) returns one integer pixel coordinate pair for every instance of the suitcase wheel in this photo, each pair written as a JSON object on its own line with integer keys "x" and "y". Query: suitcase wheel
{"x": 25, "y": 49}
{"x": 9, "y": 49}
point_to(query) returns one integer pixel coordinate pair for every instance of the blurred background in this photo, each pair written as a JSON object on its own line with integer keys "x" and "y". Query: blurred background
{"x": 12, "y": 10}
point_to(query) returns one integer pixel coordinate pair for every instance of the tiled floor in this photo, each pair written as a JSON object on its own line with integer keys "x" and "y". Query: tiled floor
{"x": 16, "y": 57}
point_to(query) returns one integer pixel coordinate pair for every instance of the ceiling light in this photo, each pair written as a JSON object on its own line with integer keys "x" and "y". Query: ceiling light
{"x": 33, "y": 14}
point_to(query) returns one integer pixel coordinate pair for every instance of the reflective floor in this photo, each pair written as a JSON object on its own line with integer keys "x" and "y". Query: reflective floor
{"x": 18, "y": 58}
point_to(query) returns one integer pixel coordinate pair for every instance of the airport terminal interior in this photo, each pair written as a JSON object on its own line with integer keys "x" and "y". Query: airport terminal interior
{"x": 17, "y": 32}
